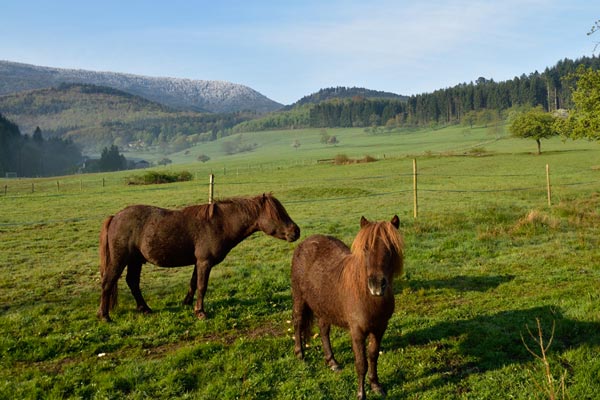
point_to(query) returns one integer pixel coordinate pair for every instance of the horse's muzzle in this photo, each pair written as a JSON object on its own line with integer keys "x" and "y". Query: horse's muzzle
{"x": 293, "y": 234}
{"x": 377, "y": 286}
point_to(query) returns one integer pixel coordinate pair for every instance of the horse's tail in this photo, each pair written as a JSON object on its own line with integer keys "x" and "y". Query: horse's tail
{"x": 105, "y": 261}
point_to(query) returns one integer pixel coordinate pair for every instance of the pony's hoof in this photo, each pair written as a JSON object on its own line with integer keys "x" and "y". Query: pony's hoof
{"x": 200, "y": 314}
{"x": 334, "y": 366}
{"x": 144, "y": 310}
{"x": 188, "y": 301}
{"x": 377, "y": 388}
{"x": 103, "y": 317}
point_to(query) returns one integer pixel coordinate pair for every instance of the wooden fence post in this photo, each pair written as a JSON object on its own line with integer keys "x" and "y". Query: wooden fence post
{"x": 415, "y": 199}
{"x": 211, "y": 185}
{"x": 548, "y": 185}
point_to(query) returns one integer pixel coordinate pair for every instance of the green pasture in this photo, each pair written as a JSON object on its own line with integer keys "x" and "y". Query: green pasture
{"x": 486, "y": 258}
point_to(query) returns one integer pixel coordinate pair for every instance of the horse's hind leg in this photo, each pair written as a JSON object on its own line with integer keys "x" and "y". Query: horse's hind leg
{"x": 108, "y": 295}
{"x": 134, "y": 271}
{"x": 299, "y": 317}
{"x": 324, "y": 329}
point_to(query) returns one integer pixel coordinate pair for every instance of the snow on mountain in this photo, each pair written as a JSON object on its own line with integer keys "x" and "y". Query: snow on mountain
{"x": 183, "y": 94}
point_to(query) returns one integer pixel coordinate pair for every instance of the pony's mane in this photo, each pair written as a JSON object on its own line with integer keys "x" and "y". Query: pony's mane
{"x": 384, "y": 231}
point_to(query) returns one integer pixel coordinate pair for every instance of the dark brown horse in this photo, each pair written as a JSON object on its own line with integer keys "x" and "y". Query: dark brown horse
{"x": 201, "y": 235}
{"x": 350, "y": 288}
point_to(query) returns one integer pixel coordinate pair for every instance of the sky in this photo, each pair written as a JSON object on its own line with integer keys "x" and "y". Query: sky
{"x": 290, "y": 49}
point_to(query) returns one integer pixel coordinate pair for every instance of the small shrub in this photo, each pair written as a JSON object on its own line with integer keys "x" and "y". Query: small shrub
{"x": 368, "y": 159}
{"x": 341, "y": 159}
{"x": 153, "y": 177}
{"x": 477, "y": 151}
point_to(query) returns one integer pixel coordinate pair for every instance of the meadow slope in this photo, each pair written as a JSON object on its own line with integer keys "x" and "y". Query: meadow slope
{"x": 485, "y": 258}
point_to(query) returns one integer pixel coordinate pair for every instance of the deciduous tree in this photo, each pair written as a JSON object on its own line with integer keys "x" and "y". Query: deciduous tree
{"x": 534, "y": 124}
{"x": 583, "y": 121}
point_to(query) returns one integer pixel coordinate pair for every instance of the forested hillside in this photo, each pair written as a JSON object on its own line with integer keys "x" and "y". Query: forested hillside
{"x": 95, "y": 117}
{"x": 34, "y": 156}
{"x": 550, "y": 89}
{"x": 341, "y": 92}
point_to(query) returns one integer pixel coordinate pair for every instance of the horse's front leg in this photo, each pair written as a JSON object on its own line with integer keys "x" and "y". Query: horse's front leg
{"x": 360, "y": 360}
{"x": 189, "y": 298}
{"x": 202, "y": 272}
{"x": 373, "y": 354}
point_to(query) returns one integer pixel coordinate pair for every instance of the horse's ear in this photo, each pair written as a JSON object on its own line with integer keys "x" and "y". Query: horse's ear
{"x": 395, "y": 221}
{"x": 364, "y": 222}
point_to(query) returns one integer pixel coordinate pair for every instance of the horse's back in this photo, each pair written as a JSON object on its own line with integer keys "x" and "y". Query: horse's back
{"x": 131, "y": 221}
{"x": 156, "y": 234}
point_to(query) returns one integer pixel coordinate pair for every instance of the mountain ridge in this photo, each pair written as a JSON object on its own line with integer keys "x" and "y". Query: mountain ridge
{"x": 96, "y": 116}
{"x": 178, "y": 93}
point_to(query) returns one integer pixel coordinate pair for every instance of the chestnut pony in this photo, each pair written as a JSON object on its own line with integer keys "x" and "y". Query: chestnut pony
{"x": 201, "y": 235}
{"x": 350, "y": 288}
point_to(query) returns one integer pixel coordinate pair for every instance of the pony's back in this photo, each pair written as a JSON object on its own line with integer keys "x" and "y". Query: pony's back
{"x": 316, "y": 257}
{"x": 317, "y": 276}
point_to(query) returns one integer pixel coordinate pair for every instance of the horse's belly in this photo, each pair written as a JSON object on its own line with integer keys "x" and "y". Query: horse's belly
{"x": 328, "y": 309}
{"x": 168, "y": 257}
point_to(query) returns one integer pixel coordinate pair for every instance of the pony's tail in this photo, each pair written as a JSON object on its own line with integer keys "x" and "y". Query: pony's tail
{"x": 104, "y": 262}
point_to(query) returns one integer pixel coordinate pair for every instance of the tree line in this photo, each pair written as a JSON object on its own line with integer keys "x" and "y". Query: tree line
{"x": 581, "y": 121}
{"x": 35, "y": 156}
{"x": 464, "y": 103}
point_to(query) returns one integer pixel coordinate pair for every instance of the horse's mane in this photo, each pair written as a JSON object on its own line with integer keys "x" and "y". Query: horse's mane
{"x": 384, "y": 231}
{"x": 246, "y": 205}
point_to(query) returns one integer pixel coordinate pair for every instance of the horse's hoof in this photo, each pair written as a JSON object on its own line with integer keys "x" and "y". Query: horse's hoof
{"x": 103, "y": 317}
{"x": 200, "y": 315}
{"x": 188, "y": 300}
{"x": 145, "y": 310}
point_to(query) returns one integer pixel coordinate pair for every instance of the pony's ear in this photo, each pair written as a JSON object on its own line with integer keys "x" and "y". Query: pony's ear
{"x": 395, "y": 221}
{"x": 364, "y": 222}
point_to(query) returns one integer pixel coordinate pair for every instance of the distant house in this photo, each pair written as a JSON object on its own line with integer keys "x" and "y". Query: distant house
{"x": 141, "y": 164}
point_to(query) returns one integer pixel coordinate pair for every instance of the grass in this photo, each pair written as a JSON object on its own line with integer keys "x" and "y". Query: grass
{"x": 485, "y": 260}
